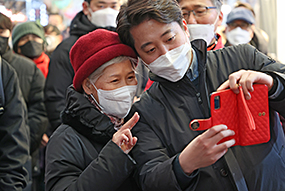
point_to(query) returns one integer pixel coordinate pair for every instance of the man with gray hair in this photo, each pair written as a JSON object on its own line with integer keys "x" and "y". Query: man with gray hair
{"x": 202, "y": 18}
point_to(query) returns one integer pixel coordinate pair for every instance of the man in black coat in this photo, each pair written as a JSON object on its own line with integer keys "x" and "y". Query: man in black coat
{"x": 32, "y": 84}
{"x": 14, "y": 133}
{"x": 170, "y": 155}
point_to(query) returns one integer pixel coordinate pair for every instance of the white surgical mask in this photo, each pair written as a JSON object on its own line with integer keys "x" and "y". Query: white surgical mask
{"x": 116, "y": 102}
{"x": 104, "y": 17}
{"x": 202, "y": 31}
{"x": 51, "y": 42}
{"x": 238, "y": 36}
{"x": 172, "y": 65}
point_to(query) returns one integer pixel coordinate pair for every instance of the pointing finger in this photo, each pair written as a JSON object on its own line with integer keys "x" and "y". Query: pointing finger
{"x": 132, "y": 122}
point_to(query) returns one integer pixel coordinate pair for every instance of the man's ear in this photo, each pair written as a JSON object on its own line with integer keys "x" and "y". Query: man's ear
{"x": 185, "y": 27}
{"x": 220, "y": 19}
{"x": 86, "y": 85}
{"x": 85, "y": 6}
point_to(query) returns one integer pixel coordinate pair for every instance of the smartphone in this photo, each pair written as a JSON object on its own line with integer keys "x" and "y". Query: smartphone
{"x": 248, "y": 118}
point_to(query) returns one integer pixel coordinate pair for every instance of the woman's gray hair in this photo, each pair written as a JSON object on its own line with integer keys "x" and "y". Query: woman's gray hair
{"x": 99, "y": 71}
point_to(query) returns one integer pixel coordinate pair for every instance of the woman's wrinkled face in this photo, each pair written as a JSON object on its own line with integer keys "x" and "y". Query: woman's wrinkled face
{"x": 115, "y": 76}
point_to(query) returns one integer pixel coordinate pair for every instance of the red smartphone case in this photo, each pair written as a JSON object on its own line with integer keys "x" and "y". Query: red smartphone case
{"x": 248, "y": 118}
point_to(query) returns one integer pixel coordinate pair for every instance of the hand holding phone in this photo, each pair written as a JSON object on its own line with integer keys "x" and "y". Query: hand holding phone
{"x": 249, "y": 119}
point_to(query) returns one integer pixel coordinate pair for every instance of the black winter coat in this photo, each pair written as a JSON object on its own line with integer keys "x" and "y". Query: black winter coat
{"x": 61, "y": 73}
{"x": 14, "y": 134}
{"x": 167, "y": 108}
{"x": 80, "y": 154}
{"x": 32, "y": 84}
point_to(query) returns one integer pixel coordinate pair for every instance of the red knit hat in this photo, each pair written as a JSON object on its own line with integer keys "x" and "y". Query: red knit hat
{"x": 93, "y": 50}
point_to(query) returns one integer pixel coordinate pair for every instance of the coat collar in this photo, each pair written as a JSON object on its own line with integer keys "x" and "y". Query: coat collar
{"x": 85, "y": 118}
{"x": 184, "y": 86}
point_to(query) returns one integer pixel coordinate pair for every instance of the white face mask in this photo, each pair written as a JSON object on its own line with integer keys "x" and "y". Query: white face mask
{"x": 172, "y": 65}
{"x": 51, "y": 42}
{"x": 202, "y": 31}
{"x": 104, "y": 17}
{"x": 238, "y": 36}
{"x": 116, "y": 102}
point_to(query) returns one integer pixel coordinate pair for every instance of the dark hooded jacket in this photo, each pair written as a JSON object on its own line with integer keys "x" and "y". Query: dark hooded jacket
{"x": 167, "y": 108}
{"x": 80, "y": 154}
{"x": 61, "y": 73}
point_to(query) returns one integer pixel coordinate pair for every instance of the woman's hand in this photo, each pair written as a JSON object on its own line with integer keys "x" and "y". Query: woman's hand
{"x": 123, "y": 137}
{"x": 246, "y": 78}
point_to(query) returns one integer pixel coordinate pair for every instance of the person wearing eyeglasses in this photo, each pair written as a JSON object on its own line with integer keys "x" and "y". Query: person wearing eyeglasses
{"x": 240, "y": 26}
{"x": 202, "y": 18}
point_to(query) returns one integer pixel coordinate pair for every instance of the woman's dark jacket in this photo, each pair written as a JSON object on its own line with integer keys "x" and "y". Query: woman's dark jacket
{"x": 80, "y": 154}
{"x": 167, "y": 108}
{"x": 61, "y": 73}
{"x": 14, "y": 133}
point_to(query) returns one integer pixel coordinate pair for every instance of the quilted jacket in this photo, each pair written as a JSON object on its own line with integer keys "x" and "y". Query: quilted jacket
{"x": 80, "y": 154}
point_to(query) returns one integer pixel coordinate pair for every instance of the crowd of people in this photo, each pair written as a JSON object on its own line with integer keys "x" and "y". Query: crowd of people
{"x": 108, "y": 106}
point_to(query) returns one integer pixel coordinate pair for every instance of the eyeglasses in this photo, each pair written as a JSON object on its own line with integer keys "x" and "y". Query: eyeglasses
{"x": 199, "y": 12}
{"x": 242, "y": 25}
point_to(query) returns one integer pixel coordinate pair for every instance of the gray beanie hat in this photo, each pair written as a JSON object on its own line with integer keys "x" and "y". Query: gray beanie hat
{"x": 29, "y": 27}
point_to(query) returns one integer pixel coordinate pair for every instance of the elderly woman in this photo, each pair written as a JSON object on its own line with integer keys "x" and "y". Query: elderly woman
{"x": 89, "y": 150}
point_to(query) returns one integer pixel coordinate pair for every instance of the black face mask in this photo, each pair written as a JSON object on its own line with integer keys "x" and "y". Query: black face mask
{"x": 3, "y": 44}
{"x": 31, "y": 49}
